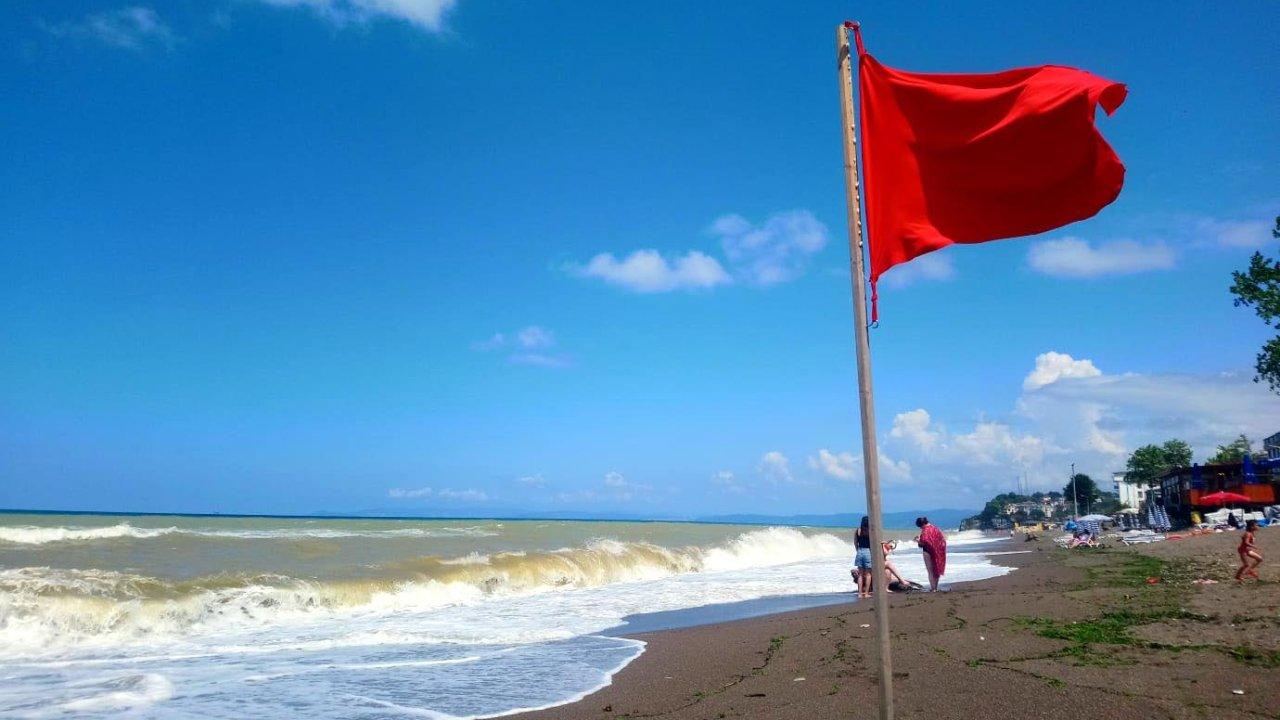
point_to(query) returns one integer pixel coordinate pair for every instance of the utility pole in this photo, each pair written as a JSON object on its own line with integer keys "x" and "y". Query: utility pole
{"x": 1075, "y": 504}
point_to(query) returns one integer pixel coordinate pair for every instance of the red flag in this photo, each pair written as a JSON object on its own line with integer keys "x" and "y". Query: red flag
{"x": 971, "y": 158}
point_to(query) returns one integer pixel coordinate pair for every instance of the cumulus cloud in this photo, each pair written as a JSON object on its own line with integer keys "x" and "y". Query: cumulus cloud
{"x": 933, "y": 266}
{"x": 837, "y": 465}
{"x": 775, "y": 251}
{"x": 130, "y": 28}
{"x": 424, "y": 14}
{"x": 775, "y": 466}
{"x": 846, "y": 466}
{"x": 1053, "y": 366}
{"x": 1075, "y": 258}
{"x": 913, "y": 426}
{"x": 647, "y": 271}
{"x": 1071, "y": 411}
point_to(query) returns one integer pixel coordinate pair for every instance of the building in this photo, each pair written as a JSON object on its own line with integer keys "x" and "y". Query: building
{"x": 1181, "y": 488}
{"x": 1025, "y": 507}
{"x": 1130, "y": 495}
{"x": 1271, "y": 446}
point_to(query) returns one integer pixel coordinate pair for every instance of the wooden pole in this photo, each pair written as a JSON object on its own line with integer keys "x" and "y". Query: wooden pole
{"x": 870, "y": 457}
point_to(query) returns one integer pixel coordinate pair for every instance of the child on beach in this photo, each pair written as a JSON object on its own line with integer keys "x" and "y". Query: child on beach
{"x": 1250, "y": 558}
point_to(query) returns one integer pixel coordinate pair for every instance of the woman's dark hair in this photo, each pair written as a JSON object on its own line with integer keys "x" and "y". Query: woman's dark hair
{"x": 865, "y": 527}
{"x": 922, "y": 521}
{"x": 1251, "y": 525}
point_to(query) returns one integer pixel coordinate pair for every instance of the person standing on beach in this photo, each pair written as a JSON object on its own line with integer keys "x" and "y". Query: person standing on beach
{"x": 934, "y": 545}
{"x": 1250, "y": 558}
{"x": 862, "y": 561}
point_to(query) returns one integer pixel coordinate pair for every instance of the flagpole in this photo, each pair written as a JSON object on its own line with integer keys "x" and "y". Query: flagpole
{"x": 870, "y": 458}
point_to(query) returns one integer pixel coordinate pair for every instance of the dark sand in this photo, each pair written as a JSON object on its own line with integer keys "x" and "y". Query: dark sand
{"x": 1174, "y": 649}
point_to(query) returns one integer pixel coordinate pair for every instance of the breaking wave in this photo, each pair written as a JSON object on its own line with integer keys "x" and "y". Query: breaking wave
{"x": 41, "y": 606}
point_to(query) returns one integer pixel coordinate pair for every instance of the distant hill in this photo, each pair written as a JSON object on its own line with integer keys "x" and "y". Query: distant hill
{"x": 943, "y": 518}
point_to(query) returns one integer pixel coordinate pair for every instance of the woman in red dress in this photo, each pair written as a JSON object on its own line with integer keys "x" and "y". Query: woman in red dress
{"x": 934, "y": 545}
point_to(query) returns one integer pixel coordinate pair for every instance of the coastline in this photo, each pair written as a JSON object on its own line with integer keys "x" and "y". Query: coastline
{"x": 979, "y": 649}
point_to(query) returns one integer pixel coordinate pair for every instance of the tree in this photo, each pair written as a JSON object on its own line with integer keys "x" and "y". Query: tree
{"x": 1149, "y": 462}
{"x": 1176, "y": 453}
{"x": 1234, "y": 451}
{"x": 1081, "y": 489}
{"x": 1106, "y": 503}
{"x": 1259, "y": 288}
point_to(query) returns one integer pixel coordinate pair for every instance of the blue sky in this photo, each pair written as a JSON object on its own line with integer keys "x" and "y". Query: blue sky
{"x": 466, "y": 256}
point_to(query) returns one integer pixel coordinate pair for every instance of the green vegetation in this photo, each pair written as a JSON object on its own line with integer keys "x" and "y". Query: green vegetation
{"x": 1259, "y": 288}
{"x": 995, "y": 508}
{"x": 1234, "y": 451}
{"x": 1149, "y": 462}
{"x": 1082, "y": 490}
{"x": 1254, "y": 656}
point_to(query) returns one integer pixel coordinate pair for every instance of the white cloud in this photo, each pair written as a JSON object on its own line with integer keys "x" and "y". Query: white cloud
{"x": 527, "y": 346}
{"x": 841, "y": 466}
{"x": 776, "y": 251}
{"x": 849, "y": 467}
{"x": 936, "y": 265}
{"x": 775, "y": 466}
{"x": 1075, "y": 258}
{"x": 129, "y": 28}
{"x": 425, "y": 14}
{"x": 1071, "y": 411}
{"x": 726, "y": 480}
{"x": 466, "y": 495}
{"x": 647, "y": 271}
{"x": 614, "y": 480}
{"x": 993, "y": 443}
{"x": 410, "y": 493}
{"x": 535, "y": 481}
{"x": 443, "y": 494}
{"x": 1053, "y": 366}
{"x": 1238, "y": 233}
{"x": 913, "y": 425}
{"x": 534, "y": 337}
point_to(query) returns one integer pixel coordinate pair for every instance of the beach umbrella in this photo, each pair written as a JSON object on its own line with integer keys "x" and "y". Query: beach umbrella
{"x": 1095, "y": 518}
{"x": 1126, "y": 511}
{"x": 1224, "y": 498}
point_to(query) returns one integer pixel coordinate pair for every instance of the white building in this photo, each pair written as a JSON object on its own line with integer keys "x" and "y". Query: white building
{"x": 1131, "y": 495}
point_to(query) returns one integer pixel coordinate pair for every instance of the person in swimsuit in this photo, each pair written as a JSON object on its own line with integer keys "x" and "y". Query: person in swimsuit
{"x": 934, "y": 544}
{"x": 1250, "y": 558}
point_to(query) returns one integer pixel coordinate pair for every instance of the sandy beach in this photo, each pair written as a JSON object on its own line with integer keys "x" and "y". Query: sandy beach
{"x": 1069, "y": 633}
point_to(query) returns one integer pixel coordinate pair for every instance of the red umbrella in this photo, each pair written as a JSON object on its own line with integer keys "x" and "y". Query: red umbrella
{"x": 1224, "y": 498}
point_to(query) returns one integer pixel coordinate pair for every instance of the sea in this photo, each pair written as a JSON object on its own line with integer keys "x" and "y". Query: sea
{"x": 261, "y": 617}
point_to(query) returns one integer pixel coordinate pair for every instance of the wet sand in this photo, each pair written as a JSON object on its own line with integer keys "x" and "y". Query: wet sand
{"x": 1068, "y": 634}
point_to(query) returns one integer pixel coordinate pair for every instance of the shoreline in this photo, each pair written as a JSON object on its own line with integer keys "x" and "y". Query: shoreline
{"x": 666, "y": 626}
{"x": 982, "y": 648}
